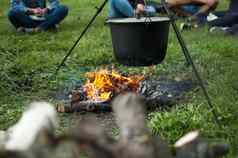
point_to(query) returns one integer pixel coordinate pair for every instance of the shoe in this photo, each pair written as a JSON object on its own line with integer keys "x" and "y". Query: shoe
{"x": 53, "y": 28}
{"x": 233, "y": 31}
{"x": 226, "y": 21}
{"x": 211, "y": 17}
{"x": 38, "y": 29}
{"x": 33, "y": 30}
{"x": 20, "y": 29}
{"x": 29, "y": 30}
{"x": 218, "y": 29}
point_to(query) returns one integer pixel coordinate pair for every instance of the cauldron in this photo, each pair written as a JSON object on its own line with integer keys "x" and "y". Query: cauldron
{"x": 139, "y": 42}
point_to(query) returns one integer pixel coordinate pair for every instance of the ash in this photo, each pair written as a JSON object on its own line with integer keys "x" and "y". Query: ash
{"x": 158, "y": 93}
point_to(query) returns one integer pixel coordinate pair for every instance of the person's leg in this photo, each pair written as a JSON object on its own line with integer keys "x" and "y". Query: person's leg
{"x": 20, "y": 19}
{"x": 55, "y": 16}
{"x": 226, "y": 21}
{"x": 120, "y": 8}
{"x": 190, "y": 8}
{"x": 232, "y": 30}
{"x": 173, "y": 3}
{"x": 230, "y": 18}
{"x": 220, "y": 14}
{"x": 184, "y": 8}
{"x": 210, "y": 3}
{"x": 233, "y": 8}
{"x": 113, "y": 12}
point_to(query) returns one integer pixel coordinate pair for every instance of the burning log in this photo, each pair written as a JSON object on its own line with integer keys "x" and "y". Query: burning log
{"x": 135, "y": 139}
{"x": 157, "y": 93}
{"x": 98, "y": 91}
{"x": 104, "y": 84}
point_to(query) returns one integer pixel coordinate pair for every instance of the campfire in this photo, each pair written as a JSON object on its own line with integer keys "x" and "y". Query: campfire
{"x": 102, "y": 85}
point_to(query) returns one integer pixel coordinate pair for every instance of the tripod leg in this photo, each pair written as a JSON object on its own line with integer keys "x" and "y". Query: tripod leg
{"x": 190, "y": 61}
{"x": 79, "y": 38}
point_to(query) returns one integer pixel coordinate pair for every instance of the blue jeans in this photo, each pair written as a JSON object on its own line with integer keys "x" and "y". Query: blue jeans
{"x": 53, "y": 17}
{"x": 190, "y": 8}
{"x": 123, "y": 9}
{"x": 120, "y": 9}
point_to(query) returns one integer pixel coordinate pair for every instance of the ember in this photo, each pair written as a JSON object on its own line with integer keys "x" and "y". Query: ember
{"x": 102, "y": 85}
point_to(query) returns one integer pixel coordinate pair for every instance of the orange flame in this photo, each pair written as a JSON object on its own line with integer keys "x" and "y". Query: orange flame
{"x": 103, "y": 84}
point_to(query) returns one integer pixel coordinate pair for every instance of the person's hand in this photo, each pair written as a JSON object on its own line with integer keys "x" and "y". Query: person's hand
{"x": 36, "y": 11}
{"x": 44, "y": 11}
{"x": 140, "y": 8}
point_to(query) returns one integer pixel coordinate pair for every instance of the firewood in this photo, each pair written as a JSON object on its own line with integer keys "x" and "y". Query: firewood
{"x": 158, "y": 94}
{"x": 135, "y": 140}
{"x": 83, "y": 106}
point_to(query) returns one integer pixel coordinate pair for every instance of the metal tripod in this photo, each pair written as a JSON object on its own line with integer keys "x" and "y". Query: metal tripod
{"x": 180, "y": 40}
{"x": 190, "y": 62}
{"x": 80, "y": 37}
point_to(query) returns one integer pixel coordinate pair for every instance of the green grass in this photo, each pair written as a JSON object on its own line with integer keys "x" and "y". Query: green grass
{"x": 28, "y": 61}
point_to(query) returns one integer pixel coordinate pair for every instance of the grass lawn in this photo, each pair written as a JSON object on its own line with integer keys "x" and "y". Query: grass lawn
{"x": 27, "y": 61}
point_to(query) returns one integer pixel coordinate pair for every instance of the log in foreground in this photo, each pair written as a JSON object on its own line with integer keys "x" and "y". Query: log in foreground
{"x": 135, "y": 140}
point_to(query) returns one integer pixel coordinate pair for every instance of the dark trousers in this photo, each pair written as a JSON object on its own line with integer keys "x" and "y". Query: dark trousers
{"x": 233, "y": 8}
{"x": 53, "y": 17}
{"x": 230, "y": 17}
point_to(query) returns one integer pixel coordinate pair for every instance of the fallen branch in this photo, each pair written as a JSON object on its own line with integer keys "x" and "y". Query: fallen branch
{"x": 135, "y": 140}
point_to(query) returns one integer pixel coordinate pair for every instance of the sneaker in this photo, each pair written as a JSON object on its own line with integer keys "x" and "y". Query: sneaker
{"x": 211, "y": 17}
{"x": 53, "y": 28}
{"x": 226, "y": 21}
{"x": 38, "y": 29}
{"x": 20, "y": 29}
{"x": 233, "y": 31}
{"x": 33, "y": 30}
{"x": 218, "y": 29}
{"x": 29, "y": 30}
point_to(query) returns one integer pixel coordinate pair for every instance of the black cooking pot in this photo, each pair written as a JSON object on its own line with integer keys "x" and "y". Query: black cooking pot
{"x": 139, "y": 42}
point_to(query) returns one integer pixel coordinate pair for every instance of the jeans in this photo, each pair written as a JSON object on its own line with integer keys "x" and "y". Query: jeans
{"x": 120, "y": 9}
{"x": 233, "y": 8}
{"x": 123, "y": 9}
{"x": 53, "y": 17}
{"x": 190, "y": 8}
